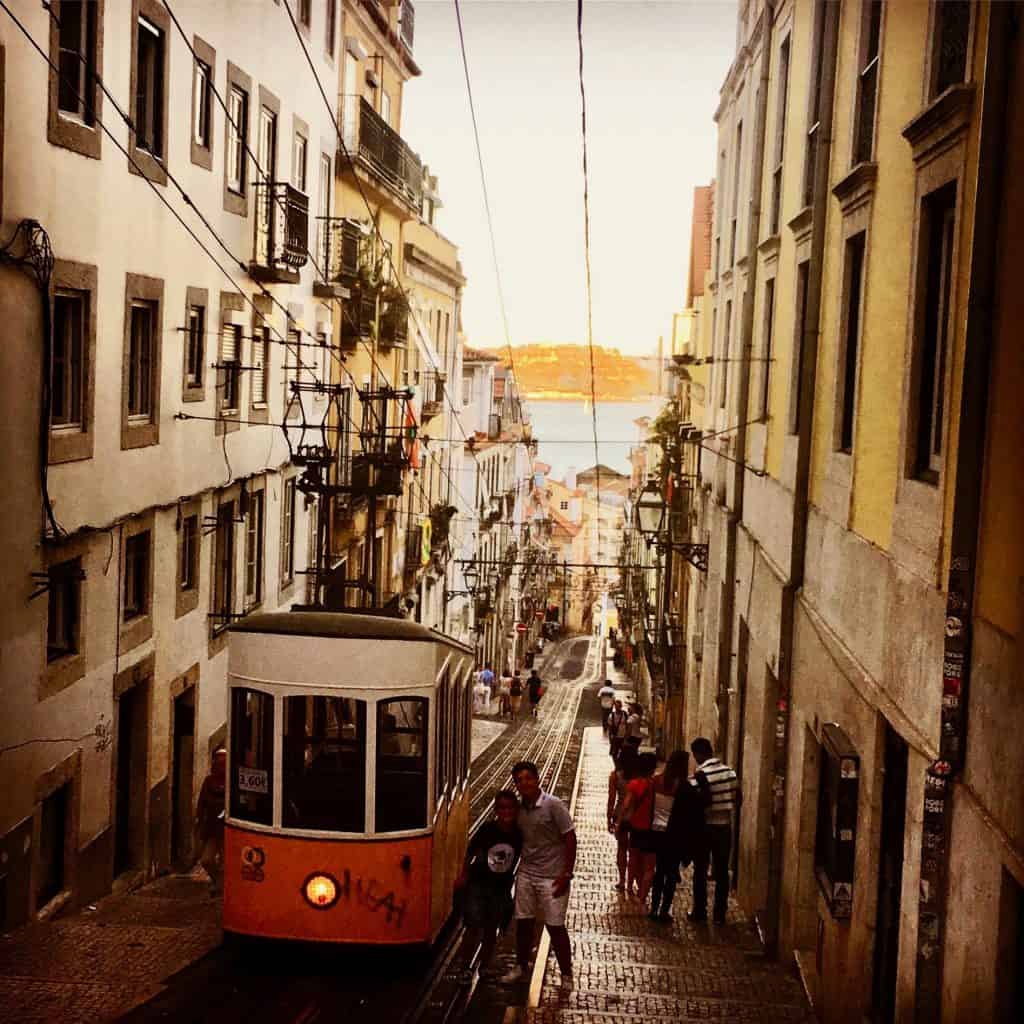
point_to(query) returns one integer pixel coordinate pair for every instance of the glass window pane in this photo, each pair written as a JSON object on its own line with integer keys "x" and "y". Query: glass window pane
{"x": 324, "y": 763}
{"x": 401, "y": 801}
{"x": 252, "y": 756}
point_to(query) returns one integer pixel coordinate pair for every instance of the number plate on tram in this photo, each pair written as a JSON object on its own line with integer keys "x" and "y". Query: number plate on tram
{"x": 253, "y": 780}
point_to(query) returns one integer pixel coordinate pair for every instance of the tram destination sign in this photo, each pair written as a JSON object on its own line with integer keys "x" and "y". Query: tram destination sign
{"x": 253, "y": 780}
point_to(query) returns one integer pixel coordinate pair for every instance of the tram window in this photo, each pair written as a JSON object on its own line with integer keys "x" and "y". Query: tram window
{"x": 252, "y": 756}
{"x": 324, "y": 763}
{"x": 401, "y": 764}
{"x": 452, "y": 770}
{"x": 458, "y": 731}
{"x": 465, "y": 715}
{"x": 441, "y": 713}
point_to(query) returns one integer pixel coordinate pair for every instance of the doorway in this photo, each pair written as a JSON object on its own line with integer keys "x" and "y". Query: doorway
{"x": 130, "y": 780}
{"x": 53, "y": 831}
{"x": 890, "y": 877}
{"x": 183, "y": 753}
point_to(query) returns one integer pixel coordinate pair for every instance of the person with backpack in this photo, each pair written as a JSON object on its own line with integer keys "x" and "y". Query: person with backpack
{"x": 617, "y": 729}
{"x": 720, "y": 794}
{"x": 682, "y": 833}
{"x": 515, "y": 694}
{"x": 638, "y": 810}
{"x": 535, "y": 690}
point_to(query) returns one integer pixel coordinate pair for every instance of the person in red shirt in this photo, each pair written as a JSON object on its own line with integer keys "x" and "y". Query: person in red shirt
{"x": 638, "y": 810}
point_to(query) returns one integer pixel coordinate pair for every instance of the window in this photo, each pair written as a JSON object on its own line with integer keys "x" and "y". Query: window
{"x": 202, "y": 99}
{"x": 70, "y": 320}
{"x": 782, "y": 101}
{"x": 766, "y": 345}
{"x": 137, "y": 559}
{"x": 467, "y": 390}
{"x": 260, "y": 364}
{"x": 231, "y": 369}
{"x": 299, "y": 162}
{"x": 723, "y": 377}
{"x": 53, "y": 823}
{"x": 140, "y": 361}
{"x": 815, "y": 112}
{"x": 238, "y": 141}
{"x": 867, "y": 82}
{"x": 563, "y": 506}
{"x": 195, "y": 344}
{"x": 796, "y": 384}
{"x": 737, "y": 174}
{"x": 288, "y": 532}
{"x": 292, "y": 361}
{"x": 224, "y": 566}
{"x": 330, "y": 26}
{"x": 76, "y": 82}
{"x": 149, "y": 88}
{"x": 323, "y": 248}
{"x": 442, "y": 731}
{"x": 64, "y": 610}
{"x": 267, "y": 155}
{"x": 345, "y": 436}
{"x": 252, "y": 756}
{"x": 836, "y": 832}
{"x": 938, "y": 219}
{"x": 188, "y": 563}
{"x": 324, "y": 764}
{"x": 401, "y": 764}
{"x": 254, "y": 551}
{"x": 306, "y": 12}
{"x": 851, "y": 341}
{"x": 950, "y": 36}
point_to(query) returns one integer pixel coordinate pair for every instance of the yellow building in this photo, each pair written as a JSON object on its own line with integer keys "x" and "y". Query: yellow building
{"x": 860, "y": 477}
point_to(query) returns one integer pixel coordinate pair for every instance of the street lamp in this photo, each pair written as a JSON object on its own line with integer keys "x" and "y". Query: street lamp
{"x": 472, "y": 577}
{"x": 650, "y": 512}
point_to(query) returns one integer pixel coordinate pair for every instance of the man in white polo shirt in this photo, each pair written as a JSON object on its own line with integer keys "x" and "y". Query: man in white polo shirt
{"x": 545, "y": 872}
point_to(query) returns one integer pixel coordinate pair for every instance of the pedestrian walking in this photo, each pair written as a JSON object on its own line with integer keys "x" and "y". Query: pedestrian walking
{"x": 638, "y": 810}
{"x": 606, "y": 695}
{"x": 484, "y": 886}
{"x": 545, "y": 872}
{"x": 683, "y": 831}
{"x": 634, "y": 724}
{"x": 487, "y": 678}
{"x": 515, "y": 694}
{"x": 210, "y": 820}
{"x": 504, "y": 694}
{"x": 720, "y": 795}
{"x": 534, "y": 690}
{"x": 621, "y": 775}
{"x": 617, "y": 729}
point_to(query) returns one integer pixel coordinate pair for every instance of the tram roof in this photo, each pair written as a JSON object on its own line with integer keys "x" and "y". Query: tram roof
{"x": 340, "y": 626}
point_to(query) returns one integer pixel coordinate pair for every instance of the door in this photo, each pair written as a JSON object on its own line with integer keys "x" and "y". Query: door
{"x": 890, "y": 877}
{"x": 183, "y": 774}
{"x": 123, "y": 787}
{"x": 266, "y": 156}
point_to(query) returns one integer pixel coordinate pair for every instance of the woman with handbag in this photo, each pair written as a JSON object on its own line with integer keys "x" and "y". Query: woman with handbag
{"x": 638, "y": 810}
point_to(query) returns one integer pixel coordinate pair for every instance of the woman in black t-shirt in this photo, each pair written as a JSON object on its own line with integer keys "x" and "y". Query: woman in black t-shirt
{"x": 485, "y": 884}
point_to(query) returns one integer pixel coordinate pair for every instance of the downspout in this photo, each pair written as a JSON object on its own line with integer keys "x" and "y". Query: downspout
{"x": 738, "y": 465}
{"x": 805, "y": 413}
{"x": 943, "y": 775}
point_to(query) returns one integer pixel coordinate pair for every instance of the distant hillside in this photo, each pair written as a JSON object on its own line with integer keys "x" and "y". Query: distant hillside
{"x": 563, "y": 372}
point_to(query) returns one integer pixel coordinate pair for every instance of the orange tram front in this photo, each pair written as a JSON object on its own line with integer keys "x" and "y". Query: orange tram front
{"x": 348, "y": 777}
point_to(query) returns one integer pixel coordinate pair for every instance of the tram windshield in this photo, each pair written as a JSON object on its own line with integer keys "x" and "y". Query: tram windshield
{"x": 401, "y": 801}
{"x": 324, "y": 763}
{"x": 252, "y": 756}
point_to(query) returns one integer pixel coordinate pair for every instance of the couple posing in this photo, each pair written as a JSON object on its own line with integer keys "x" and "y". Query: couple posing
{"x": 666, "y": 821}
{"x": 539, "y": 835}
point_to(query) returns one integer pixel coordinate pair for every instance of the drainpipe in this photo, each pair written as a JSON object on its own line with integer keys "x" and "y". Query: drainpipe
{"x": 737, "y": 467}
{"x": 943, "y": 774}
{"x": 798, "y": 534}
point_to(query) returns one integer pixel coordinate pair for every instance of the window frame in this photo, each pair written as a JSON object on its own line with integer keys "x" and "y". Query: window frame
{"x": 139, "y": 430}
{"x": 63, "y": 128}
{"x": 193, "y": 388}
{"x": 236, "y": 140}
{"x": 869, "y": 69}
{"x": 781, "y": 119}
{"x": 63, "y": 580}
{"x": 300, "y": 155}
{"x": 286, "y": 572}
{"x": 330, "y": 29}
{"x": 768, "y": 312}
{"x": 190, "y": 547}
{"x": 201, "y": 149}
{"x": 148, "y": 159}
{"x": 424, "y": 758}
{"x": 269, "y": 729}
{"x": 255, "y": 548}
{"x": 815, "y": 114}
{"x": 934, "y": 86}
{"x": 139, "y": 627}
{"x": 224, "y": 570}
{"x": 848, "y": 351}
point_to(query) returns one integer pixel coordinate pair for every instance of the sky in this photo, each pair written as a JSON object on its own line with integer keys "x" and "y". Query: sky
{"x": 652, "y": 73}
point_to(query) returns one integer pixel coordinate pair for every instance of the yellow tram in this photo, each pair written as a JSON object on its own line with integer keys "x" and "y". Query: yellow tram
{"x": 348, "y": 777}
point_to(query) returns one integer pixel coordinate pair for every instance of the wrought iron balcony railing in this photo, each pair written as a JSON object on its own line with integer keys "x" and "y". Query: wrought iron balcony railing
{"x": 382, "y": 151}
{"x": 394, "y": 318}
{"x": 432, "y": 389}
{"x": 338, "y": 247}
{"x": 281, "y": 232}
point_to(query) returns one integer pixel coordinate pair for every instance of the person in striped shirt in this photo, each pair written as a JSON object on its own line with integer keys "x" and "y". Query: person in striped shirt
{"x": 720, "y": 794}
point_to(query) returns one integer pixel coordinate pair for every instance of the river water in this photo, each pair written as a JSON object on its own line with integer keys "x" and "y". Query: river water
{"x": 564, "y": 431}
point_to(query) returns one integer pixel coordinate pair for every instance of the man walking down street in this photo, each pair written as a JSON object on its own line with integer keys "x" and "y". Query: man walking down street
{"x": 720, "y": 794}
{"x": 534, "y": 690}
{"x": 606, "y": 695}
{"x": 545, "y": 872}
{"x": 210, "y": 821}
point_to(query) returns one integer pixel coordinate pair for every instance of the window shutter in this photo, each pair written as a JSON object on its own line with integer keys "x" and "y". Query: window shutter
{"x": 259, "y": 376}
{"x": 229, "y": 344}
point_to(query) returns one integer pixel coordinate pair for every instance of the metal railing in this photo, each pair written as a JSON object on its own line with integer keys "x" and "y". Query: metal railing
{"x": 338, "y": 244}
{"x": 432, "y": 389}
{"x": 385, "y": 152}
{"x": 281, "y": 239}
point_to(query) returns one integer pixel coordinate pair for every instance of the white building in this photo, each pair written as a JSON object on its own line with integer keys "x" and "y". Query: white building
{"x": 172, "y": 488}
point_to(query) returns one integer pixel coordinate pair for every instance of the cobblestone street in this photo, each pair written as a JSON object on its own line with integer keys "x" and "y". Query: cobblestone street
{"x": 631, "y": 969}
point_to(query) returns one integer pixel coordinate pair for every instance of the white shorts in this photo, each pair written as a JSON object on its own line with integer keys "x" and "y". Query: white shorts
{"x": 534, "y": 900}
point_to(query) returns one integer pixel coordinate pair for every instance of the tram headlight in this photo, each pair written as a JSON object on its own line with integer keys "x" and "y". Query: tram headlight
{"x": 321, "y": 891}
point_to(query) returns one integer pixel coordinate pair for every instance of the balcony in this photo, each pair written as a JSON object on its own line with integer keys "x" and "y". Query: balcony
{"x": 357, "y": 317}
{"x": 394, "y": 318}
{"x": 432, "y": 388}
{"x": 381, "y": 152}
{"x": 281, "y": 233}
{"x": 337, "y": 253}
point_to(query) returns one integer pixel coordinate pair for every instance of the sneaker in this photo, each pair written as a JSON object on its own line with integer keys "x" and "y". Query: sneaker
{"x": 514, "y": 976}
{"x": 696, "y": 918}
{"x": 653, "y": 915}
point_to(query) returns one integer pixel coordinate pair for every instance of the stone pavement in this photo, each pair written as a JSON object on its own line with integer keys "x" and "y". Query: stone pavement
{"x": 629, "y": 968}
{"x": 97, "y": 964}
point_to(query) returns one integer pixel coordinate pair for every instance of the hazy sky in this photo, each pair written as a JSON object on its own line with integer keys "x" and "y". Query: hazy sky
{"x": 652, "y": 73}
